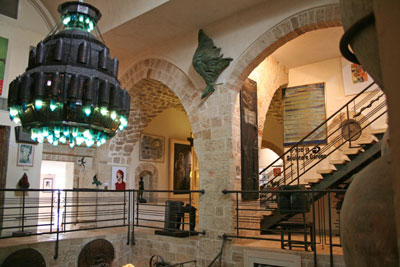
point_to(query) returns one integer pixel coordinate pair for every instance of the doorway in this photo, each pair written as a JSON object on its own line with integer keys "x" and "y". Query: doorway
{"x": 54, "y": 175}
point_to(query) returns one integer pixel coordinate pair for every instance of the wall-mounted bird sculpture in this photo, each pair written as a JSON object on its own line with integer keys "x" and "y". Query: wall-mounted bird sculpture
{"x": 209, "y": 62}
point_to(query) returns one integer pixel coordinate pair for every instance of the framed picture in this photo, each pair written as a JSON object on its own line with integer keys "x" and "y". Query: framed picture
{"x": 180, "y": 165}
{"x": 355, "y": 78}
{"x": 151, "y": 148}
{"x": 3, "y": 56}
{"x": 303, "y": 111}
{"x": 47, "y": 183}
{"x": 269, "y": 259}
{"x": 118, "y": 178}
{"x": 25, "y": 155}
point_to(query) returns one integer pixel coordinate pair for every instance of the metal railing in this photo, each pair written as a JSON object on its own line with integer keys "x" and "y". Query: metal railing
{"x": 27, "y": 212}
{"x": 361, "y": 111}
{"x": 307, "y": 220}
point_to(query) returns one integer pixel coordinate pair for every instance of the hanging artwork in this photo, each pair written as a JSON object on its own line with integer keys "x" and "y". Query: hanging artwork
{"x": 249, "y": 138}
{"x": 180, "y": 165}
{"x": 303, "y": 111}
{"x": 355, "y": 78}
{"x": 25, "y": 155}
{"x": 3, "y": 56}
{"x": 151, "y": 148}
{"x": 118, "y": 178}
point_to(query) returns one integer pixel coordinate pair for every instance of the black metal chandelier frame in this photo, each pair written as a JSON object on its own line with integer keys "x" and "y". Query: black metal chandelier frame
{"x": 70, "y": 92}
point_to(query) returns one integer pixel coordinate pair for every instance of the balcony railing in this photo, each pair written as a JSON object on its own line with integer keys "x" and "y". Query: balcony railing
{"x": 52, "y": 212}
{"x": 309, "y": 219}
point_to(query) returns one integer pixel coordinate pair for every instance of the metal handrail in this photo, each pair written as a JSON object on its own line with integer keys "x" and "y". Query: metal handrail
{"x": 295, "y": 147}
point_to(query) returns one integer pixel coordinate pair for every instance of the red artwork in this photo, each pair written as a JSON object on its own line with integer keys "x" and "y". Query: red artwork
{"x": 277, "y": 171}
{"x": 358, "y": 74}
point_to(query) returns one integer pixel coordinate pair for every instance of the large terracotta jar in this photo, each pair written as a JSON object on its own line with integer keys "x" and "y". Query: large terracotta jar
{"x": 368, "y": 229}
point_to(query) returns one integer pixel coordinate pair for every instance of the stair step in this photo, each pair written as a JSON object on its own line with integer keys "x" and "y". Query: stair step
{"x": 325, "y": 171}
{"x": 312, "y": 180}
{"x": 338, "y": 161}
{"x": 351, "y": 151}
{"x": 378, "y": 131}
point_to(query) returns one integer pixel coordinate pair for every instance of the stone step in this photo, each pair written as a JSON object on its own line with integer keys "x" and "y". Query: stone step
{"x": 338, "y": 161}
{"x": 325, "y": 171}
{"x": 312, "y": 180}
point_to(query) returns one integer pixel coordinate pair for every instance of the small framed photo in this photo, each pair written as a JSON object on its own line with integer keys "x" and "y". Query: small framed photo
{"x": 25, "y": 155}
{"x": 47, "y": 183}
{"x": 152, "y": 148}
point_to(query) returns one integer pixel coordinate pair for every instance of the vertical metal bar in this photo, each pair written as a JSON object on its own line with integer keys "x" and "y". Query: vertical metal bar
{"x": 190, "y": 210}
{"x": 23, "y": 211}
{"x": 313, "y": 230}
{"x": 58, "y": 223}
{"x": 129, "y": 216}
{"x": 65, "y": 211}
{"x": 124, "y": 207}
{"x": 348, "y": 125}
{"x": 297, "y": 163}
{"x": 51, "y": 211}
{"x": 133, "y": 219}
{"x": 137, "y": 211}
{"x": 237, "y": 213}
{"x": 330, "y": 229}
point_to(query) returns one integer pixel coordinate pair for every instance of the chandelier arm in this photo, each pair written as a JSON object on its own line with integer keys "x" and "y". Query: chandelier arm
{"x": 101, "y": 36}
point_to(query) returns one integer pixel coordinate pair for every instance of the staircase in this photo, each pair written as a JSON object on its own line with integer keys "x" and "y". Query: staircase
{"x": 351, "y": 145}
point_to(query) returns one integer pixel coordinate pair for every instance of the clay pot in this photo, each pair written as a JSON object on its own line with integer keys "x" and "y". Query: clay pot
{"x": 368, "y": 229}
{"x": 365, "y": 42}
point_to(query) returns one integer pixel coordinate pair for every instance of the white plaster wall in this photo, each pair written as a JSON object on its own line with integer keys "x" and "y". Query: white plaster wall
{"x": 233, "y": 34}
{"x": 22, "y": 33}
{"x": 171, "y": 124}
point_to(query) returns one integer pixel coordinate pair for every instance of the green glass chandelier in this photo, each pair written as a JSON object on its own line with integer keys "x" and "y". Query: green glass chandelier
{"x": 70, "y": 92}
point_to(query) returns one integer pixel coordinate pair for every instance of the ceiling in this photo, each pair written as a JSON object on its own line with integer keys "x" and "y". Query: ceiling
{"x": 132, "y": 26}
{"x": 156, "y": 21}
{"x": 310, "y": 47}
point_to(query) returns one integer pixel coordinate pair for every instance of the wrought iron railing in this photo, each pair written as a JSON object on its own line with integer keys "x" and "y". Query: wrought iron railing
{"x": 308, "y": 221}
{"x": 52, "y": 212}
{"x": 342, "y": 127}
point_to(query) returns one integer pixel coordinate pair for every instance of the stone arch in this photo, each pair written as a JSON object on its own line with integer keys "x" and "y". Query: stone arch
{"x": 272, "y": 146}
{"x": 295, "y": 25}
{"x": 176, "y": 85}
{"x": 308, "y": 20}
{"x": 147, "y": 168}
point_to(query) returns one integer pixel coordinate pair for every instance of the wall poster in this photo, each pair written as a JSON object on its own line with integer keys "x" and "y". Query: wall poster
{"x": 303, "y": 111}
{"x": 249, "y": 138}
{"x": 3, "y": 56}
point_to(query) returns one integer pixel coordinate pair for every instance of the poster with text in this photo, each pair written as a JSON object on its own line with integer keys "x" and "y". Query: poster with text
{"x": 3, "y": 56}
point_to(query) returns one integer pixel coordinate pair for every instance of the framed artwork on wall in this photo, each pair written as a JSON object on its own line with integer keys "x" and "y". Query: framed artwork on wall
{"x": 303, "y": 111}
{"x": 269, "y": 259}
{"x": 48, "y": 183}
{"x": 3, "y": 56}
{"x": 118, "y": 178}
{"x": 152, "y": 148}
{"x": 180, "y": 165}
{"x": 355, "y": 78}
{"x": 25, "y": 155}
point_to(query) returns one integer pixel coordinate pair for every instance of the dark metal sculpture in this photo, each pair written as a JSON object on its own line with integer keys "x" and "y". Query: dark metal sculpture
{"x": 209, "y": 62}
{"x": 23, "y": 183}
{"x": 97, "y": 253}
{"x": 27, "y": 257}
